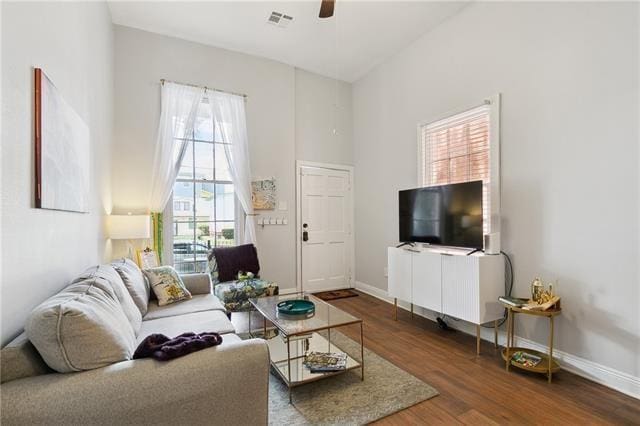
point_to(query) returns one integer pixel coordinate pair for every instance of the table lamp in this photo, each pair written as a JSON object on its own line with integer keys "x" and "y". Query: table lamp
{"x": 129, "y": 227}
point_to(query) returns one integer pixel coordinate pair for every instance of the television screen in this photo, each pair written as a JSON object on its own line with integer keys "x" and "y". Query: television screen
{"x": 448, "y": 215}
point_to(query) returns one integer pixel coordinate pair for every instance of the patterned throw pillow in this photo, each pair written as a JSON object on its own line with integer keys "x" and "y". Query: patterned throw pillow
{"x": 167, "y": 285}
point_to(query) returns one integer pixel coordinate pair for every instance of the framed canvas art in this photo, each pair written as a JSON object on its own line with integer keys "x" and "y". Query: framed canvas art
{"x": 62, "y": 151}
{"x": 263, "y": 194}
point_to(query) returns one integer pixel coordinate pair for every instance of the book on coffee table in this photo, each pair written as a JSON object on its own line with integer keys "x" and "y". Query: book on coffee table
{"x": 321, "y": 362}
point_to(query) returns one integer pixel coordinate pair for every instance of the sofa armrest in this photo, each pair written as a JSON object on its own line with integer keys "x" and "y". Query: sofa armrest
{"x": 197, "y": 283}
{"x": 227, "y": 384}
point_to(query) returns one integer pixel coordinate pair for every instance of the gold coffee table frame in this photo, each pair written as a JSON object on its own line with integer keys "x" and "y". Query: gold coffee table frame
{"x": 304, "y": 335}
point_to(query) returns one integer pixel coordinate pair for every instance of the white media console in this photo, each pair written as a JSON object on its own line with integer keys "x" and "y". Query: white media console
{"x": 449, "y": 282}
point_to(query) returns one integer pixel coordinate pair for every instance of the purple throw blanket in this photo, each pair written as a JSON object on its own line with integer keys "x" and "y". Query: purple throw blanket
{"x": 231, "y": 260}
{"x": 163, "y": 348}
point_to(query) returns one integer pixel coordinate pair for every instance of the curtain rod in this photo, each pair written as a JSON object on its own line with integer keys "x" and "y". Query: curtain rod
{"x": 162, "y": 81}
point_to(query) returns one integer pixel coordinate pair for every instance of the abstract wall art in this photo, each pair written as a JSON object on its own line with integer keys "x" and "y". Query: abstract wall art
{"x": 62, "y": 148}
{"x": 263, "y": 194}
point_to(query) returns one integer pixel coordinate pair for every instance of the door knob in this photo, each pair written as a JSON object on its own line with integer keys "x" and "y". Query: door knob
{"x": 305, "y": 234}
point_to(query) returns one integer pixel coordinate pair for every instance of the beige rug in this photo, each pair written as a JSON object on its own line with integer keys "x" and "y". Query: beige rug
{"x": 345, "y": 399}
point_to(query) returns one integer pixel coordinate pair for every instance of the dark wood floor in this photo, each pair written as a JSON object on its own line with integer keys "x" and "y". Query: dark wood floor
{"x": 477, "y": 390}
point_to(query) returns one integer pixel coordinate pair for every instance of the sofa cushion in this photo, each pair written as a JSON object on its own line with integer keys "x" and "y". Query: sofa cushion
{"x": 166, "y": 285}
{"x": 198, "y": 322}
{"x": 20, "y": 359}
{"x": 81, "y": 328}
{"x": 109, "y": 273}
{"x": 198, "y": 303}
{"x": 134, "y": 281}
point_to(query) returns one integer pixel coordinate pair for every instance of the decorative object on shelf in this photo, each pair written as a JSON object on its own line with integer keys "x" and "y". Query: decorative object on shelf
{"x": 537, "y": 287}
{"x": 148, "y": 258}
{"x": 62, "y": 146}
{"x": 547, "y": 365}
{"x": 541, "y": 298}
{"x": 263, "y": 194}
{"x": 296, "y": 309}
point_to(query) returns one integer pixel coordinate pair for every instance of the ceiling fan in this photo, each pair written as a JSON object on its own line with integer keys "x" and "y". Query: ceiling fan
{"x": 326, "y": 8}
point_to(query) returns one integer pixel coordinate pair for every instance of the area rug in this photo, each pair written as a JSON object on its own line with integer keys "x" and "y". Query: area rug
{"x": 345, "y": 399}
{"x": 335, "y": 294}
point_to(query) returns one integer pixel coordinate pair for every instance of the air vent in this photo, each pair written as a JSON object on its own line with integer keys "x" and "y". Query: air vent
{"x": 279, "y": 19}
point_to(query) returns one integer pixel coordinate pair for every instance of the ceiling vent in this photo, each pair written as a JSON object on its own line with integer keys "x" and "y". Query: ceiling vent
{"x": 279, "y": 19}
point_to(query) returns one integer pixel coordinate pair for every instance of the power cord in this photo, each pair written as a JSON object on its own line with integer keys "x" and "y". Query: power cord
{"x": 508, "y": 283}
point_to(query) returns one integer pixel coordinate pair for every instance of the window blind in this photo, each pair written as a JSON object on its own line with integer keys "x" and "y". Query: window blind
{"x": 456, "y": 150}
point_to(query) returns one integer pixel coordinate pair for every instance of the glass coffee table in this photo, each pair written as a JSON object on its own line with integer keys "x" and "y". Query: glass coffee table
{"x": 300, "y": 336}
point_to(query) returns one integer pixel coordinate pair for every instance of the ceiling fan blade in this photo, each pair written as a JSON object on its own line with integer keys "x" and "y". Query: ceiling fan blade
{"x": 326, "y": 8}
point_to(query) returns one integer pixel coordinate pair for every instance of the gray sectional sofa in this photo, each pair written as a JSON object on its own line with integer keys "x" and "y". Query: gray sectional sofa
{"x": 225, "y": 384}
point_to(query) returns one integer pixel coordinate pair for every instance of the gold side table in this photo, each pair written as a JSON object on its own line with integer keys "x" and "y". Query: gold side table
{"x": 548, "y": 365}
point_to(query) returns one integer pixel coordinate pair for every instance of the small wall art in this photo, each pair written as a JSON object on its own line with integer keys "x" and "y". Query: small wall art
{"x": 263, "y": 194}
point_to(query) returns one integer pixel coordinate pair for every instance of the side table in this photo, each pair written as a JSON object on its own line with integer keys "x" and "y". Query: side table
{"x": 548, "y": 365}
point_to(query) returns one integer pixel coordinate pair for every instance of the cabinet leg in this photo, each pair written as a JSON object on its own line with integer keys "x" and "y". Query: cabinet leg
{"x": 412, "y": 311}
{"x": 477, "y": 339}
{"x": 550, "y": 346}
{"x": 395, "y": 306}
{"x": 495, "y": 333}
{"x": 507, "y": 347}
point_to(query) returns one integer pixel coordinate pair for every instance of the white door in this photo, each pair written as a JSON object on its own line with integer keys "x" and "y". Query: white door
{"x": 325, "y": 228}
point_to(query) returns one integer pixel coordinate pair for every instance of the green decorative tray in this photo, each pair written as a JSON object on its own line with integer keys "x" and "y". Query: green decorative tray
{"x": 296, "y": 309}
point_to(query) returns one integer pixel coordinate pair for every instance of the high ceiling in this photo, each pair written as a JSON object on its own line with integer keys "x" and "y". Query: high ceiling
{"x": 360, "y": 35}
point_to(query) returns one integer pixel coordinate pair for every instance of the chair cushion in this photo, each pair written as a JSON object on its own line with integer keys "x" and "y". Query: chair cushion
{"x": 166, "y": 285}
{"x": 109, "y": 273}
{"x": 81, "y": 328}
{"x": 134, "y": 281}
{"x": 20, "y": 359}
{"x": 198, "y": 303}
{"x": 198, "y": 322}
{"x": 235, "y": 295}
{"x": 231, "y": 260}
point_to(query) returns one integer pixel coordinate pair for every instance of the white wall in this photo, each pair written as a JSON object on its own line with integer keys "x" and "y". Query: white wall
{"x": 273, "y": 90}
{"x": 43, "y": 249}
{"x": 568, "y": 74}
{"x": 322, "y": 106}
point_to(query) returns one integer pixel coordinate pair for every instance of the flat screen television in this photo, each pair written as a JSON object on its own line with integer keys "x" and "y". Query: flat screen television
{"x": 447, "y": 215}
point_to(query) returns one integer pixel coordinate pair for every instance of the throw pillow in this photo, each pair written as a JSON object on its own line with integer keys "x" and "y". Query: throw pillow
{"x": 134, "y": 282}
{"x": 81, "y": 328}
{"x": 167, "y": 285}
{"x": 231, "y": 260}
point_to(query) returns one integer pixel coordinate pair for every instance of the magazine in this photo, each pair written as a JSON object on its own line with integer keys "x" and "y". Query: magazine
{"x": 526, "y": 359}
{"x": 321, "y": 362}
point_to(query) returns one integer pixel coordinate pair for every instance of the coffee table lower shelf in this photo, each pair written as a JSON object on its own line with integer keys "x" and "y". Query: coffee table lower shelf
{"x": 289, "y": 365}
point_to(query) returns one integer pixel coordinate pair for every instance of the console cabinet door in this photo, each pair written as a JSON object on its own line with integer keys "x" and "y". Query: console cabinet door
{"x": 427, "y": 280}
{"x": 399, "y": 273}
{"x": 460, "y": 287}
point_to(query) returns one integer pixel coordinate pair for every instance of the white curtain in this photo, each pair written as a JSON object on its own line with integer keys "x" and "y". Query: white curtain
{"x": 179, "y": 106}
{"x": 230, "y": 120}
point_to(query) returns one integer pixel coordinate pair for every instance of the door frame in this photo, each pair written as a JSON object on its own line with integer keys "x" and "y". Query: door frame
{"x": 329, "y": 166}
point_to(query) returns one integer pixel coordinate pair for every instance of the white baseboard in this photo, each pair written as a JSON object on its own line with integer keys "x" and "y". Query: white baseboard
{"x": 622, "y": 382}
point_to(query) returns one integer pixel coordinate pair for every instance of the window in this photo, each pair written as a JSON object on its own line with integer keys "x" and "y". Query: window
{"x": 457, "y": 149}
{"x": 203, "y": 197}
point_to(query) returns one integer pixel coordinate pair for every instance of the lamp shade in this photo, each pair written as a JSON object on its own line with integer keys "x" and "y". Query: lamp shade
{"x": 129, "y": 227}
